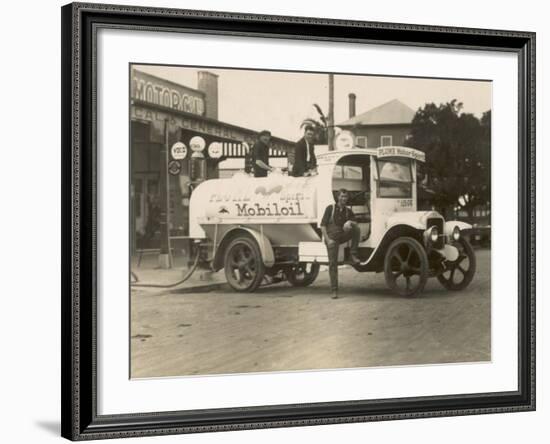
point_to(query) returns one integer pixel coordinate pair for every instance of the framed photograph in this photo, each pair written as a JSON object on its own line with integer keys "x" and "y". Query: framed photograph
{"x": 283, "y": 221}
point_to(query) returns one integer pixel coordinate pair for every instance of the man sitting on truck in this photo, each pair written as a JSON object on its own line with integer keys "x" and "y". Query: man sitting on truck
{"x": 304, "y": 154}
{"x": 338, "y": 226}
{"x": 260, "y": 155}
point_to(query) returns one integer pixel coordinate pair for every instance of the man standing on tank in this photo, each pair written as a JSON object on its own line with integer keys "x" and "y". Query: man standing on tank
{"x": 304, "y": 153}
{"x": 338, "y": 226}
{"x": 260, "y": 155}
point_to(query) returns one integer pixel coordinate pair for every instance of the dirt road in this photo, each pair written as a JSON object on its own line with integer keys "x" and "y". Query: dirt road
{"x": 284, "y": 328}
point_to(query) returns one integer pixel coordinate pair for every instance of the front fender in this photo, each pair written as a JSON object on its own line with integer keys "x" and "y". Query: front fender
{"x": 376, "y": 260}
{"x": 414, "y": 219}
{"x": 266, "y": 249}
{"x": 451, "y": 224}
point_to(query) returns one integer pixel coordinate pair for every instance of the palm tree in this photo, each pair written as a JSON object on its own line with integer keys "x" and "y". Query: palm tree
{"x": 320, "y": 127}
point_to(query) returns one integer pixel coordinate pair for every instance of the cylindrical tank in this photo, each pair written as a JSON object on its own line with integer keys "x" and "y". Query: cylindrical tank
{"x": 244, "y": 200}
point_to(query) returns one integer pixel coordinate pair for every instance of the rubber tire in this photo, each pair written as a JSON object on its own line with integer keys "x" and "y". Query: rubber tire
{"x": 291, "y": 277}
{"x": 253, "y": 245}
{"x": 424, "y": 265}
{"x": 470, "y": 273}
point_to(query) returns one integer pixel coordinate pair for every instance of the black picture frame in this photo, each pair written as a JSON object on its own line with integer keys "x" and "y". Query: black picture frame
{"x": 79, "y": 174}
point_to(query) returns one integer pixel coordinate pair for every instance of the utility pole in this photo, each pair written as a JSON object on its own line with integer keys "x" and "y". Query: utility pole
{"x": 330, "y": 132}
{"x": 164, "y": 255}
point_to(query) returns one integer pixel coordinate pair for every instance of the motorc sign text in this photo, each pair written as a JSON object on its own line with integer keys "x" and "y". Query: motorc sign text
{"x": 151, "y": 89}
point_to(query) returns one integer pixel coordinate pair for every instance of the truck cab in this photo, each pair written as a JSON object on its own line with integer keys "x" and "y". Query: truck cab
{"x": 381, "y": 182}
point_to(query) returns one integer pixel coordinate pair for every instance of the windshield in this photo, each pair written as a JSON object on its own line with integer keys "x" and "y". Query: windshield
{"x": 396, "y": 171}
{"x": 394, "y": 178}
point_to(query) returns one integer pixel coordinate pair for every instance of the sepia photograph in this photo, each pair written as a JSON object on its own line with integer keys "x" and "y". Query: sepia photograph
{"x": 298, "y": 221}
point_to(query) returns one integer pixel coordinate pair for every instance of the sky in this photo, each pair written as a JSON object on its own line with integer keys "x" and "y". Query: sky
{"x": 280, "y": 101}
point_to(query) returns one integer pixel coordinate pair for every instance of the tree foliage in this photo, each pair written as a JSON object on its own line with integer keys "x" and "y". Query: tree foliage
{"x": 320, "y": 127}
{"x": 458, "y": 154}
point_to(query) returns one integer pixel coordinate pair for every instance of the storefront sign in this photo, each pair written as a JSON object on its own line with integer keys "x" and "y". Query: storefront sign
{"x": 345, "y": 141}
{"x": 157, "y": 91}
{"x": 197, "y": 143}
{"x": 179, "y": 151}
{"x": 201, "y": 125}
{"x": 401, "y": 151}
{"x": 215, "y": 150}
{"x": 174, "y": 167}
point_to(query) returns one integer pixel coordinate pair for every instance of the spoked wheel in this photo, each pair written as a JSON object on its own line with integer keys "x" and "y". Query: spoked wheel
{"x": 244, "y": 268}
{"x": 303, "y": 274}
{"x": 406, "y": 266}
{"x": 460, "y": 272}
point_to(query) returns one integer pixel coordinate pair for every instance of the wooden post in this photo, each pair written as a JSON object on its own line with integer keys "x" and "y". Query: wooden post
{"x": 164, "y": 255}
{"x": 330, "y": 132}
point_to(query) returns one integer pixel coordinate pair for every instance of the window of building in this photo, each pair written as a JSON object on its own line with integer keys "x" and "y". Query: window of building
{"x": 361, "y": 141}
{"x": 386, "y": 141}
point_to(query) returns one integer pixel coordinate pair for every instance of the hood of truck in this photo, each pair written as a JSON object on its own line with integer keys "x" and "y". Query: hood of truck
{"x": 415, "y": 219}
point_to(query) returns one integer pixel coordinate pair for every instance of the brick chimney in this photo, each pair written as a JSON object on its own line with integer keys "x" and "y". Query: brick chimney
{"x": 351, "y": 105}
{"x": 208, "y": 83}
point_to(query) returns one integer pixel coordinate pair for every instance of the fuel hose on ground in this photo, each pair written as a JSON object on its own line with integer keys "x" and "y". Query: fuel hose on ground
{"x": 175, "y": 284}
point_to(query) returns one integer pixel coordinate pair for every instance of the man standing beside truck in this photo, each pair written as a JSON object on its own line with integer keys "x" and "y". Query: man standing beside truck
{"x": 338, "y": 226}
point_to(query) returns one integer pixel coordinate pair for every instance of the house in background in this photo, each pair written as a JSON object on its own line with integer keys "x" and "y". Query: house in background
{"x": 386, "y": 125}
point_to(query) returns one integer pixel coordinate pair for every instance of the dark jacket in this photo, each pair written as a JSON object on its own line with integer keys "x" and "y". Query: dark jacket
{"x": 260, "y": 151}
{"x": 334, "y": 219}
{"x": 303, "y": 160}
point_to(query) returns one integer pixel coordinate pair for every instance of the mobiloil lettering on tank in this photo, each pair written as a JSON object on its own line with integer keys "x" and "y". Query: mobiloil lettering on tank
{"x": 284, "y": 206}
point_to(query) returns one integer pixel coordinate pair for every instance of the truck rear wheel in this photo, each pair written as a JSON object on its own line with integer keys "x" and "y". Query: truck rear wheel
{"x": 303, "y": 274}
{"x": 406, "y": 266}
{"x": 243, "y": 264}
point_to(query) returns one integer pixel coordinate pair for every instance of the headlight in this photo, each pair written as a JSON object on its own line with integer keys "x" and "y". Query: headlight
{"x": 434, "y": 234}
{"x": 431, "y": 236}
{"x": 456, "y": 234}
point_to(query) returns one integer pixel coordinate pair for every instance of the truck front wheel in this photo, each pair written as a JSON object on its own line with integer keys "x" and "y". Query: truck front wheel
{"x": 243, "y": 264}
{"x": 458, "y": 274}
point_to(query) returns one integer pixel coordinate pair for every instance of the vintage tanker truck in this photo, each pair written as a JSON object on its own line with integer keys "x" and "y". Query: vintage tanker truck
{"x": 268, "y": 229}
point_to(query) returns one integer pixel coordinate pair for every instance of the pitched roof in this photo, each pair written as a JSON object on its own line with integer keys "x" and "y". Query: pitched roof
{"x": 393, "y": 112}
